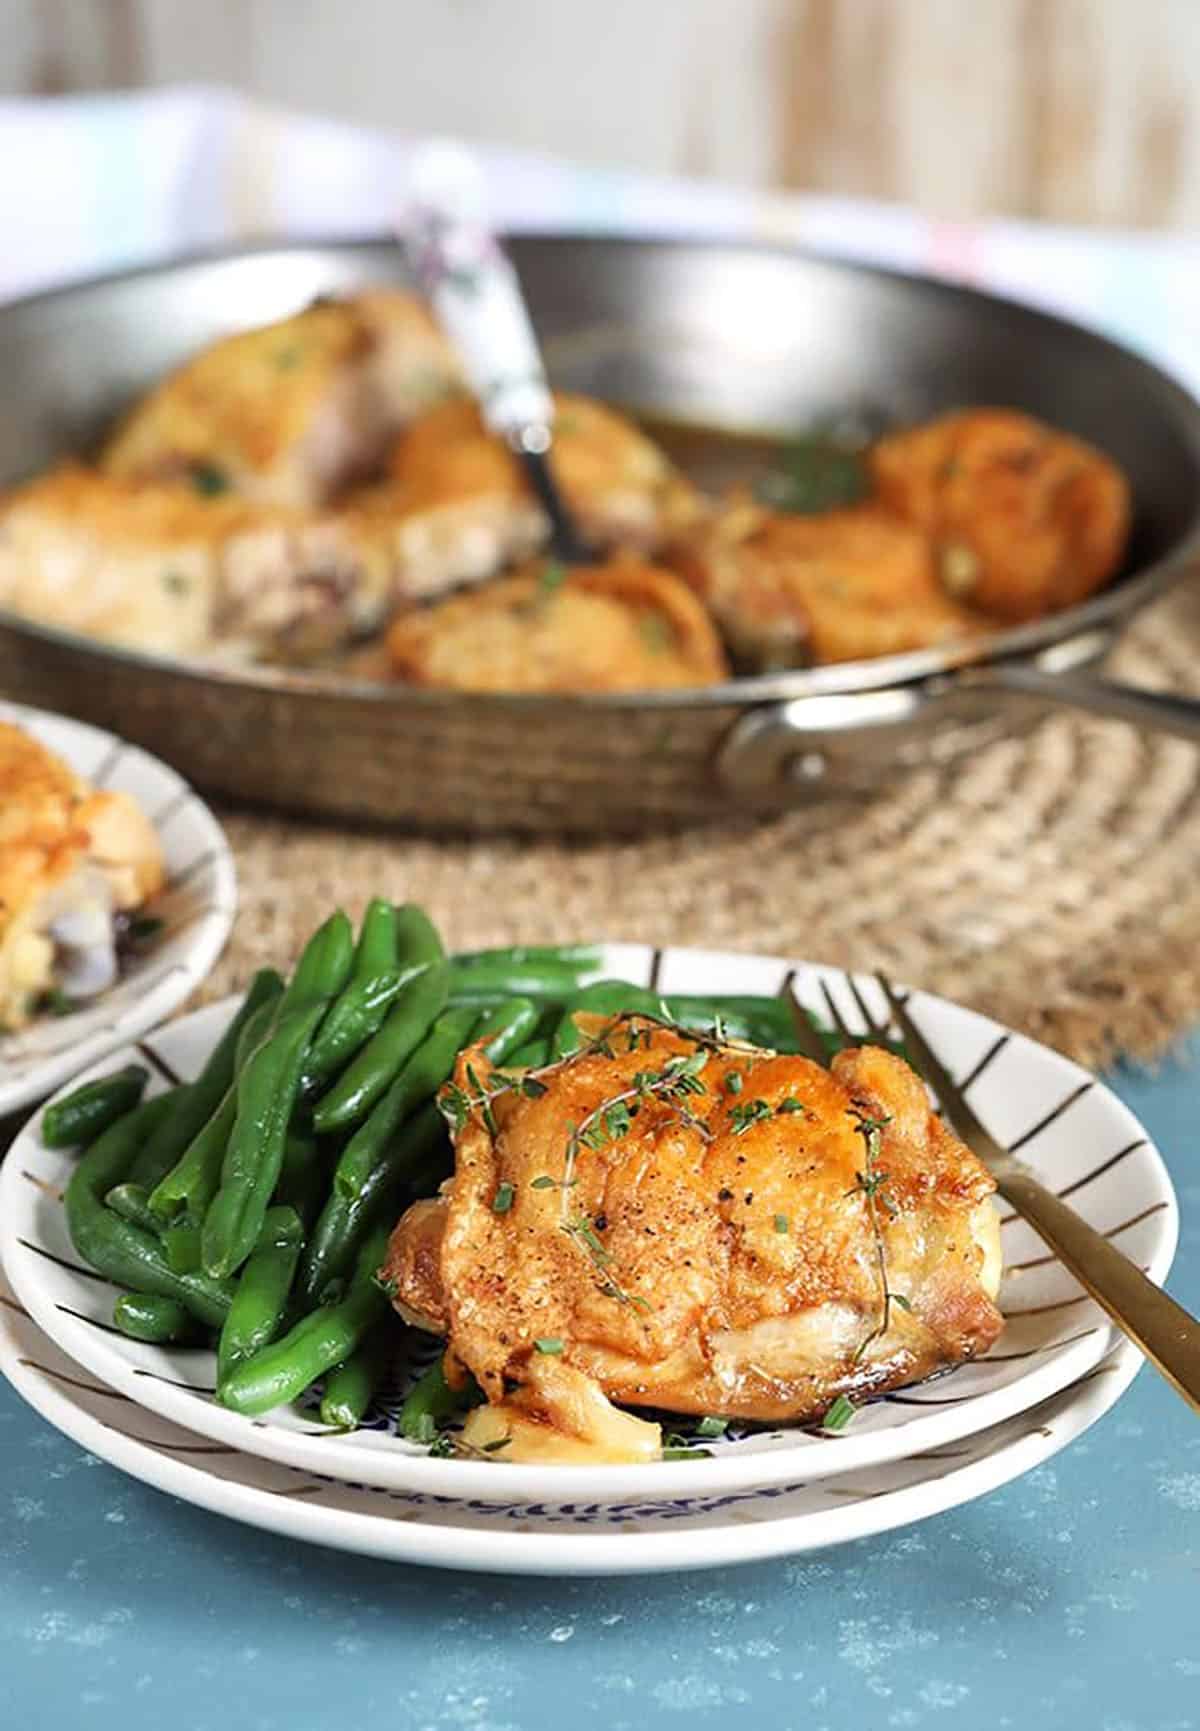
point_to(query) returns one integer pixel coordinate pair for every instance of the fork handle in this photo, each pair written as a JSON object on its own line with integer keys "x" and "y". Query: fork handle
{"x": 1168, "y": 1336}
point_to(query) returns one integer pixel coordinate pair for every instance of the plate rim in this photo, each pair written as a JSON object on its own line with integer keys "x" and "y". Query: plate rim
{"x": 445, "y": 1544}
{"x": 387, "y": 1466}
{"x": 39, "y": 1079}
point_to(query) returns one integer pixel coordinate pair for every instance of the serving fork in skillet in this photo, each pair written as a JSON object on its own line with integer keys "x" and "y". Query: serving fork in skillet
{"x": 1161, "y": 1328}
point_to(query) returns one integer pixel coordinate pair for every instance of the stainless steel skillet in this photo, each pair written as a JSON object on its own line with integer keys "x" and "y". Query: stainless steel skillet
{"x": 697, "y": 331}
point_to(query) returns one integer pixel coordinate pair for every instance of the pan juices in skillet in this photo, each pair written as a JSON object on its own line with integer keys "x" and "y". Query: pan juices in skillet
{"x": 666, "y": 1222}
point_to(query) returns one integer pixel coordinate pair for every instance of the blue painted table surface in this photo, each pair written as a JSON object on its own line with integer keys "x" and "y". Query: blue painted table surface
{"x": 1069, "y": 1598}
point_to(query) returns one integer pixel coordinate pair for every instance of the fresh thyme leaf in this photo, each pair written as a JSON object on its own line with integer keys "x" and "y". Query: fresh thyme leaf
{"x": 386, "y": 1285}
{"x": 455, "y": 1106}
{"x": 208, "y": 479}
{"x": 746, "y": 1113}
{"x": 544, "y": 1182}
{"x": 55, "y": 1002}
{"x": 814, "y": 473}
{"x": 733, "y": 1082}
{"x": 531, "y": 1087}
{"x": 497, "y": 1443}
{"x": 442, "y": 1447}
{"x": 781, "y": 1223}
{"x": 550, "y": 1345}
{"x": 551, "y": 577}
{"x": 839, "y": 1415}
{"x": 502, "y": 1201}
{"x": 899, "y": 1298}
{"x": 790, "y": 1104}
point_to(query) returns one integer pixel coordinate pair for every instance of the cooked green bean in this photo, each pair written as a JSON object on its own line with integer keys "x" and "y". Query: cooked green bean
{"x": 500, "y": 1031}
{"x": 151, "y": 1317}
{"x": 304, "y": 1176}
{"x": 267, "y": 1090}
{"x": 375, "y": 951}
{"x": 131, "y": 1201}
{"x": 195, "y": 1102}
{"x": 417, "y": 940}
{"x": 419, "y": 1146}
{"x": 431, "y": 1401}
{"x": 418, "y": 1081}
{"x": 325, "y": 1338}
{"x": 381, "y": 1060}
{"x": 79, "y": 1117}
{"x": 181, "y": 1241}
{"x": 576, "y": 956}
{"x": 192, "y": 1182}
{"x": 353, "y": 1019}
{"x": 116, "y": 1248}
{"x": 260, "y": 1300}
{"x": 324, "y": 965}
{"x": 349, "y": 1388}
{"x": 601, "y": 998}
{"x": 531, "y": 1056}
{"x": 475, "y": 981}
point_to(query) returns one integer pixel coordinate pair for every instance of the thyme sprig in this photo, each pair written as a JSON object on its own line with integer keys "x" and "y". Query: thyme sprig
{"x": 870, "y": 1183}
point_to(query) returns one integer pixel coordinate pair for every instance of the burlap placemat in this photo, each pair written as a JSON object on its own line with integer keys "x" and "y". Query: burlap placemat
{"x": 1051, "y": 881}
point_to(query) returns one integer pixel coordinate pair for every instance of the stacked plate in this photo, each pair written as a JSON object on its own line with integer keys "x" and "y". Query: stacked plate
{"x": 1055, "y": 1370}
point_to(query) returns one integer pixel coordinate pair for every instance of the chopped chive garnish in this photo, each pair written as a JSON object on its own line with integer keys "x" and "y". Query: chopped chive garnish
{"x": 502, "y": 1201}
{"x": 681, "y": 1452}
{"x": 712, "y": 1426}
{"x": 549, "y": 1344}
{"x": 781, "y": 1223}
{"x": 839, "y": 1414}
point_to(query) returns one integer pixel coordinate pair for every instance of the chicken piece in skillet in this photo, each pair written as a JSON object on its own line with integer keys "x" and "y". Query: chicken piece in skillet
{"x": 288, "y": 413}
{"x": 788, "y": 590}
{"x": 71, "y": 859}
{"x": 622, "y": 626}
{"x": 1024, "y": 520}
{"x": 164, "y": 569}
{"x": 701, "y": 1228}
{"x": 463, "y": 506}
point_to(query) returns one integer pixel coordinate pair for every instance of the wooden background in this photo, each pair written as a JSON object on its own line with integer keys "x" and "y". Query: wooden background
{"x": 1076, "y": 110}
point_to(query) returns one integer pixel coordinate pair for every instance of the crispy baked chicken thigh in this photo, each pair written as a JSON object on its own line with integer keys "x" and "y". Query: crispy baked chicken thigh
{"x": 839, "y": 585}
{"x": 71, "y": 858}
{"x": 704, "y": 1229}
{"x": 1024, "y": 520}
{"x": 463, "y": 509}
{"x": 288, "y": 413}
{"x": 622, "y": 626}
{"x": 161, "y": 568}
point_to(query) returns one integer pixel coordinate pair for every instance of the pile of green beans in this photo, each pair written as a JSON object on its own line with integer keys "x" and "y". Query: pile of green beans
{"x": 249, "y": 1209}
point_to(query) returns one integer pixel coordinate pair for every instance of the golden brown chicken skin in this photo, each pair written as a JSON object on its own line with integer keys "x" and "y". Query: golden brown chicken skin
{"x": 165, "y": 569}
{"x": 71, "y": 857}
{"x": 719, "y": 1231}
{"x": 788, "y": 590}
{"x": 462, "y": 506}
{"x": 288, "y": 413}
{"x": 1024, "y": 520}
{"x": 623, "y": 626}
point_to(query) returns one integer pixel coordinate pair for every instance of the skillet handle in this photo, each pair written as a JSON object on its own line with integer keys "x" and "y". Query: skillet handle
{"x": 1160, "y": 711}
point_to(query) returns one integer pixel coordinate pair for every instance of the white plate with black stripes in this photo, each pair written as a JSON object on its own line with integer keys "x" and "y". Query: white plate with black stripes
{"x": 1072, "y": 1130}
{"x": 196, "y": 911}
{"x": 697, "y": 1530}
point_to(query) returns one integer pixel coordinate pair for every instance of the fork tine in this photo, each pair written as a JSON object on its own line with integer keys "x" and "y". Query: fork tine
{"x": 876, "y": 1030}
{"x": 808, "y": 1040}
{"x": 836, "y": 1016}
{"x": 954, "y": 1102}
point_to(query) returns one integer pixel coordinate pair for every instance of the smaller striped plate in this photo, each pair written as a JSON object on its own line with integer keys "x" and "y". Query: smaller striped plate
{"x": 196, "y": 910}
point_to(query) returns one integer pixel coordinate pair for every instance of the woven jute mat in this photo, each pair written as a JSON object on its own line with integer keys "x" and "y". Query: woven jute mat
{"x": 1051, "y": 881}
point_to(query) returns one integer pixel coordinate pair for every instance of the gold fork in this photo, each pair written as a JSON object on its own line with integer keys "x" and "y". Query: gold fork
{"x": 1165, "y": 1332}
